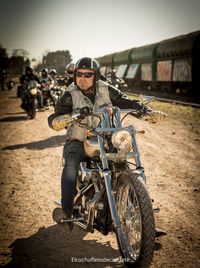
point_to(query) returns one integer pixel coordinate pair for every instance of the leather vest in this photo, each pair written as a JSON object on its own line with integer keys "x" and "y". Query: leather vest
{"x": 102, "y": 100}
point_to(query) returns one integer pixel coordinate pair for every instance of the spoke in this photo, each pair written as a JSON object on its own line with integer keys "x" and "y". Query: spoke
{"x": 130, "y": 219}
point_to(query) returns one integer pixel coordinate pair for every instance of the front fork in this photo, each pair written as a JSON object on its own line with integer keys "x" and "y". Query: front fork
{"x": 107, "y": 178}
{"x": 111, "y": 198}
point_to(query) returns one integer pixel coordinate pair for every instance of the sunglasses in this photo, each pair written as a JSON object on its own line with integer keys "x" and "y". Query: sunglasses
{"x": 86, "y": 75}
{"x": 70, "y": 72}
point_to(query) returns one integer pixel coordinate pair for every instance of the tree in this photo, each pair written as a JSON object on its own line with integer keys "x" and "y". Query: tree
{"x": 20, "y": 52}
{"x": 56, "y": 59}
{"x": 3, "y": 58}
{"x": 19, "y": 60}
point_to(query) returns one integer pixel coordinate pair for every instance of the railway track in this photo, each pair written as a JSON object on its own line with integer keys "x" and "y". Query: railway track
{"x": 186, "y": 102}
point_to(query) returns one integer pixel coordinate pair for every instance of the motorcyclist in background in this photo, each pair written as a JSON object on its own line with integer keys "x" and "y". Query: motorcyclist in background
{"x": 112, "y": 75}
{"x": 24, "y": 81}
{"x": 45, "y": 77}
{"x": 114, "y": 80}
{"x": 47, "y": 83}
{"x": 69, "y": 74}
{"x": 53, "y": 74}
{"x": 87, "y": 90}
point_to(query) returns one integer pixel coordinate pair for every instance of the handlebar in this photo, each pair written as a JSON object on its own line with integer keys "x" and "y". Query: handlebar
{"x": 85, "y": 111}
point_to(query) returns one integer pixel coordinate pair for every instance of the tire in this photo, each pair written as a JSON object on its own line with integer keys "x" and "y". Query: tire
{"x": 33, "y": 108}
{"x": 136, "y": 232}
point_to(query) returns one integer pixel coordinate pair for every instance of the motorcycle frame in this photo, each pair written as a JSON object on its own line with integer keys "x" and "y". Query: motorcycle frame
{"x": 106, "y": 128}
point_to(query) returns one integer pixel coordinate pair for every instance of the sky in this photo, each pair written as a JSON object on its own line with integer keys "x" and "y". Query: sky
{"x": 93, "y": 28}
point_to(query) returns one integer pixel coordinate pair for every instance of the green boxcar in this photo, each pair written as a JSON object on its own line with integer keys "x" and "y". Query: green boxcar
{"x": 145, "y": 57}
{"x": 170, "y": 66}
{"x": 122, "y": 62}
{"x": 177, "y": 64}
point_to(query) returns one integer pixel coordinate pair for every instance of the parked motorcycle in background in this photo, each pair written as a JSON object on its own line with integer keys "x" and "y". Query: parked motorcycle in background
{"x": 10, "y": 84}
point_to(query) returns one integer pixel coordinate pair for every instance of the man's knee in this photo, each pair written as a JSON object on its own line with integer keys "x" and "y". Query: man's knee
{"x": 72, "y": 161}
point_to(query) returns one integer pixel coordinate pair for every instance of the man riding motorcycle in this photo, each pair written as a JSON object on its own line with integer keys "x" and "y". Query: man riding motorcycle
{"x": 69, "y": 74}
{"x": 114, "y": 80}
{"x": 47, "y": 83}
{"x": 53, "y": 74}
{"x": 87, "y": 90}
{"x": 45, "y": 77}
{"x": 24, "y": 81}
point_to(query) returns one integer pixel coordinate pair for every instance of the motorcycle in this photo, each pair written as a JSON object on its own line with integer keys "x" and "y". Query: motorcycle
{"x": 56, "y": 93}
{"x": 10, "y": 84}
{"x": 31, "y": 99}
{"x": 111, "y": 186}
{"x": 48, "y": 96}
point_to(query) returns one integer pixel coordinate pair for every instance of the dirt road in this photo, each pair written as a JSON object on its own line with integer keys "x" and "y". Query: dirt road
{"x": 30, "y": 170}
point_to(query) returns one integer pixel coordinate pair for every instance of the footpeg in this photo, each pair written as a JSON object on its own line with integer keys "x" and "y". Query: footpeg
{"x": 58, "y": 202}
{"x": 64, "y": 220}
{"x": 156, "y": 210}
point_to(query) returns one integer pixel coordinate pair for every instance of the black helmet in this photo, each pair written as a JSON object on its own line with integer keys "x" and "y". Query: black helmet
{"x": 90, "y": 64}
{"x": 28, "y": 69}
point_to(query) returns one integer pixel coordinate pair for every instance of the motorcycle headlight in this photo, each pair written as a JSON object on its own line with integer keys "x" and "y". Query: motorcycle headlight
{"x": 122, "y": 140}
{"x": 33, "y": 91}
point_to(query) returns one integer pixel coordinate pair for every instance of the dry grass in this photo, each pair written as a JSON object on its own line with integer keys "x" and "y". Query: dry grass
{"x": 186, "y": 114}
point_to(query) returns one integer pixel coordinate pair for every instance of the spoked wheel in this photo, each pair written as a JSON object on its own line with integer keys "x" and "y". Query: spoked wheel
{"x": 136, "y": 232}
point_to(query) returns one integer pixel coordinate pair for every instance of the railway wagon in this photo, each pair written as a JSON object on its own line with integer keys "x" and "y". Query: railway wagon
{"x": 169, "y": 67}
{"x": 106, "y": 63}
{"x": 141, "y": 70}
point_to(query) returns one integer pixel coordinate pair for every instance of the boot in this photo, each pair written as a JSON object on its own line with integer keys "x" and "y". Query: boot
{"x": 59, "y": 215}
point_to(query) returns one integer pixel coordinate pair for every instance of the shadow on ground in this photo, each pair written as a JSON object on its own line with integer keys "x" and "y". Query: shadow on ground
{"x": 52, "y": 247}
{"x": 13, "y": 119}
{"x": 15, "y": 113}
{"x": 54, "y": 141}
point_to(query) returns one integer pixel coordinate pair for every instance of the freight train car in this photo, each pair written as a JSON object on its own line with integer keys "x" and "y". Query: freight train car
{"x": 170, "y": 67}
{"x": 106, "y": 63}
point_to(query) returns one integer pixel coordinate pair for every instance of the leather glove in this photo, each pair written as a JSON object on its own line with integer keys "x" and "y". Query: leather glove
{"x": 60, "y": 123}
{"x": 155, "y": 116}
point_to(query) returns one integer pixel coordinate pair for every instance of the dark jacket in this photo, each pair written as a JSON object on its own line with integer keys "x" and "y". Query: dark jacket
{"x": 28, "y": 77}
{"x": 64, "y": 105}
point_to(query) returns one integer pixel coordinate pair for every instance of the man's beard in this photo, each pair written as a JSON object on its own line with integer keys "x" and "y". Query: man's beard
{"x": 91, "y": 90}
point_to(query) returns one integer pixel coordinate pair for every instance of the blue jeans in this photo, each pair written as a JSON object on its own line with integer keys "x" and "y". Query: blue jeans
{"x": 73, "y": 154}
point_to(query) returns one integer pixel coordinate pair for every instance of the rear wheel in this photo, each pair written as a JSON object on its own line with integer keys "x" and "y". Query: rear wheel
{"x": 136, "y": 232}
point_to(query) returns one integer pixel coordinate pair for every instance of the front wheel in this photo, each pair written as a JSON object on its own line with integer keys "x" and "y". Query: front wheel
{"x": 32, "y": 108}
{"x": 136, "y": 231}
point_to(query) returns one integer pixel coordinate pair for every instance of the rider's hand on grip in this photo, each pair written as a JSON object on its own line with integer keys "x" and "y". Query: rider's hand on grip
{"x": 60, "y": 123}
{"x": 155, "y": 116}
{"x": 84, "y": 111}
